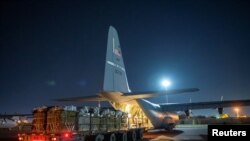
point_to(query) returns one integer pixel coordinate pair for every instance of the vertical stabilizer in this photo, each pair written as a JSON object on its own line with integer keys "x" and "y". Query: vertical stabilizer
{"x": 115, "y": 78}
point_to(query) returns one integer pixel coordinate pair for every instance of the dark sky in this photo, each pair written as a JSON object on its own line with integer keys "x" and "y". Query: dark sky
{"x": 56, "y": 49}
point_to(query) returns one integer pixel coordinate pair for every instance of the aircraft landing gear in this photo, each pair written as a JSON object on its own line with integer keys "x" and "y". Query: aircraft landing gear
{"x": 220, "y": 110}
{"x": 187, "y": 112}
{"x": 170, "y": 127}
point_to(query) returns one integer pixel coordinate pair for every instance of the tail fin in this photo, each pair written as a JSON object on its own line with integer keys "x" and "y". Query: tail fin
{"x": 115, "y": 78}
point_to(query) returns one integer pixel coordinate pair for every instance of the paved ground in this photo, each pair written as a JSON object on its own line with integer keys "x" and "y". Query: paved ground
{"x": 179, "y": 134}
{"x": 8, "y": 135}
{"x": 8, "y": 139}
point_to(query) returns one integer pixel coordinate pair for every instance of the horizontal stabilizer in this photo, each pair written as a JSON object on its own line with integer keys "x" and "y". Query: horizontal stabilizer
{"x": 126, "y": 96}
{"x": 14, "y": 115}
{"x": 149, "y": 94}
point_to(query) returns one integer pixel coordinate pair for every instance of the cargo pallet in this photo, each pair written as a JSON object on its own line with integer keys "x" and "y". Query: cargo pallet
{"x": 84, "y": 124}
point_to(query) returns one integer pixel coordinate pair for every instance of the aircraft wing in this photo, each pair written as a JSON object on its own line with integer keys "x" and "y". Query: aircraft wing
{"x": 82, "y": 99}
{"x": 9, "y": 116}
{"x": 158, "y": 93}
{"x": 127, "y": 96}
{"x": 204, "y": 105}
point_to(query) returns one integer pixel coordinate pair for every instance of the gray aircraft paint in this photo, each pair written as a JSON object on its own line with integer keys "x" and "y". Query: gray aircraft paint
{"x": 116, "y": 89}
{"x": 115, "y": 78}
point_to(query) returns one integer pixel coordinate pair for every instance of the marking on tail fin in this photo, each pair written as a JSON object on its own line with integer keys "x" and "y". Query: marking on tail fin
{"x": 116, "y": 50}
{"x": 115, "y": 78}
{"x": 115, "y": 65}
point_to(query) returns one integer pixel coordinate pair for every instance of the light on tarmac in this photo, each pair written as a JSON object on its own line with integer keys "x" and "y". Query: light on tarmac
{"x": 237, "y": 111}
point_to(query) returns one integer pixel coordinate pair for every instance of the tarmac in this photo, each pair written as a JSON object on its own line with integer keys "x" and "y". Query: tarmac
{"x": 189, "y": 133}
{"x": 178, "y": 134}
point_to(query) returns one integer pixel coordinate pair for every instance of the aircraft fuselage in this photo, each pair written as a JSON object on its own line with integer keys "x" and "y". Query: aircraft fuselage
{"x": 143, "y": 109}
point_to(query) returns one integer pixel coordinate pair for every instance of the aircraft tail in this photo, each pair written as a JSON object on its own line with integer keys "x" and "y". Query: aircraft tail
{"x": 115, "y": 78}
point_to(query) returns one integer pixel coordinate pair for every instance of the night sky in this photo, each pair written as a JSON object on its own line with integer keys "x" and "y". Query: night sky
{"x": 56, "y": 49}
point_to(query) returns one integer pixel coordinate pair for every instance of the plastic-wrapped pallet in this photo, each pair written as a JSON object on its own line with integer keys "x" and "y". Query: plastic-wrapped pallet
{"x": 84, "y": 119}
{"x": 95, "y": 122}
{"x": 118, "y": 113}
{"x": 84, "y": 110}
{"x": 39, "y": 119}
{"x": 96, "y": 110}
{"x": 70, "y": 108}
{"x": 59, "y": 119}
{"x": 107, "y": 112}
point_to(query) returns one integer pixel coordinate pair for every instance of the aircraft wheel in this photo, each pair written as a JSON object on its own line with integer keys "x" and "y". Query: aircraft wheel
{"x": 170, "y": 127}
{"x": 139, "y": 134}
{"x": 122, "y": 136}
{"x": 132, "y": 135}
{"x": 99, "y": 137}
{"x": 112, "y": 137}
{"x": 82, "y": 138}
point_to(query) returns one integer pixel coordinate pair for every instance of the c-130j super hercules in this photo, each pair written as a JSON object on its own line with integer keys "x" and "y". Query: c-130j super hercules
{"x": 116, "y": 91}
